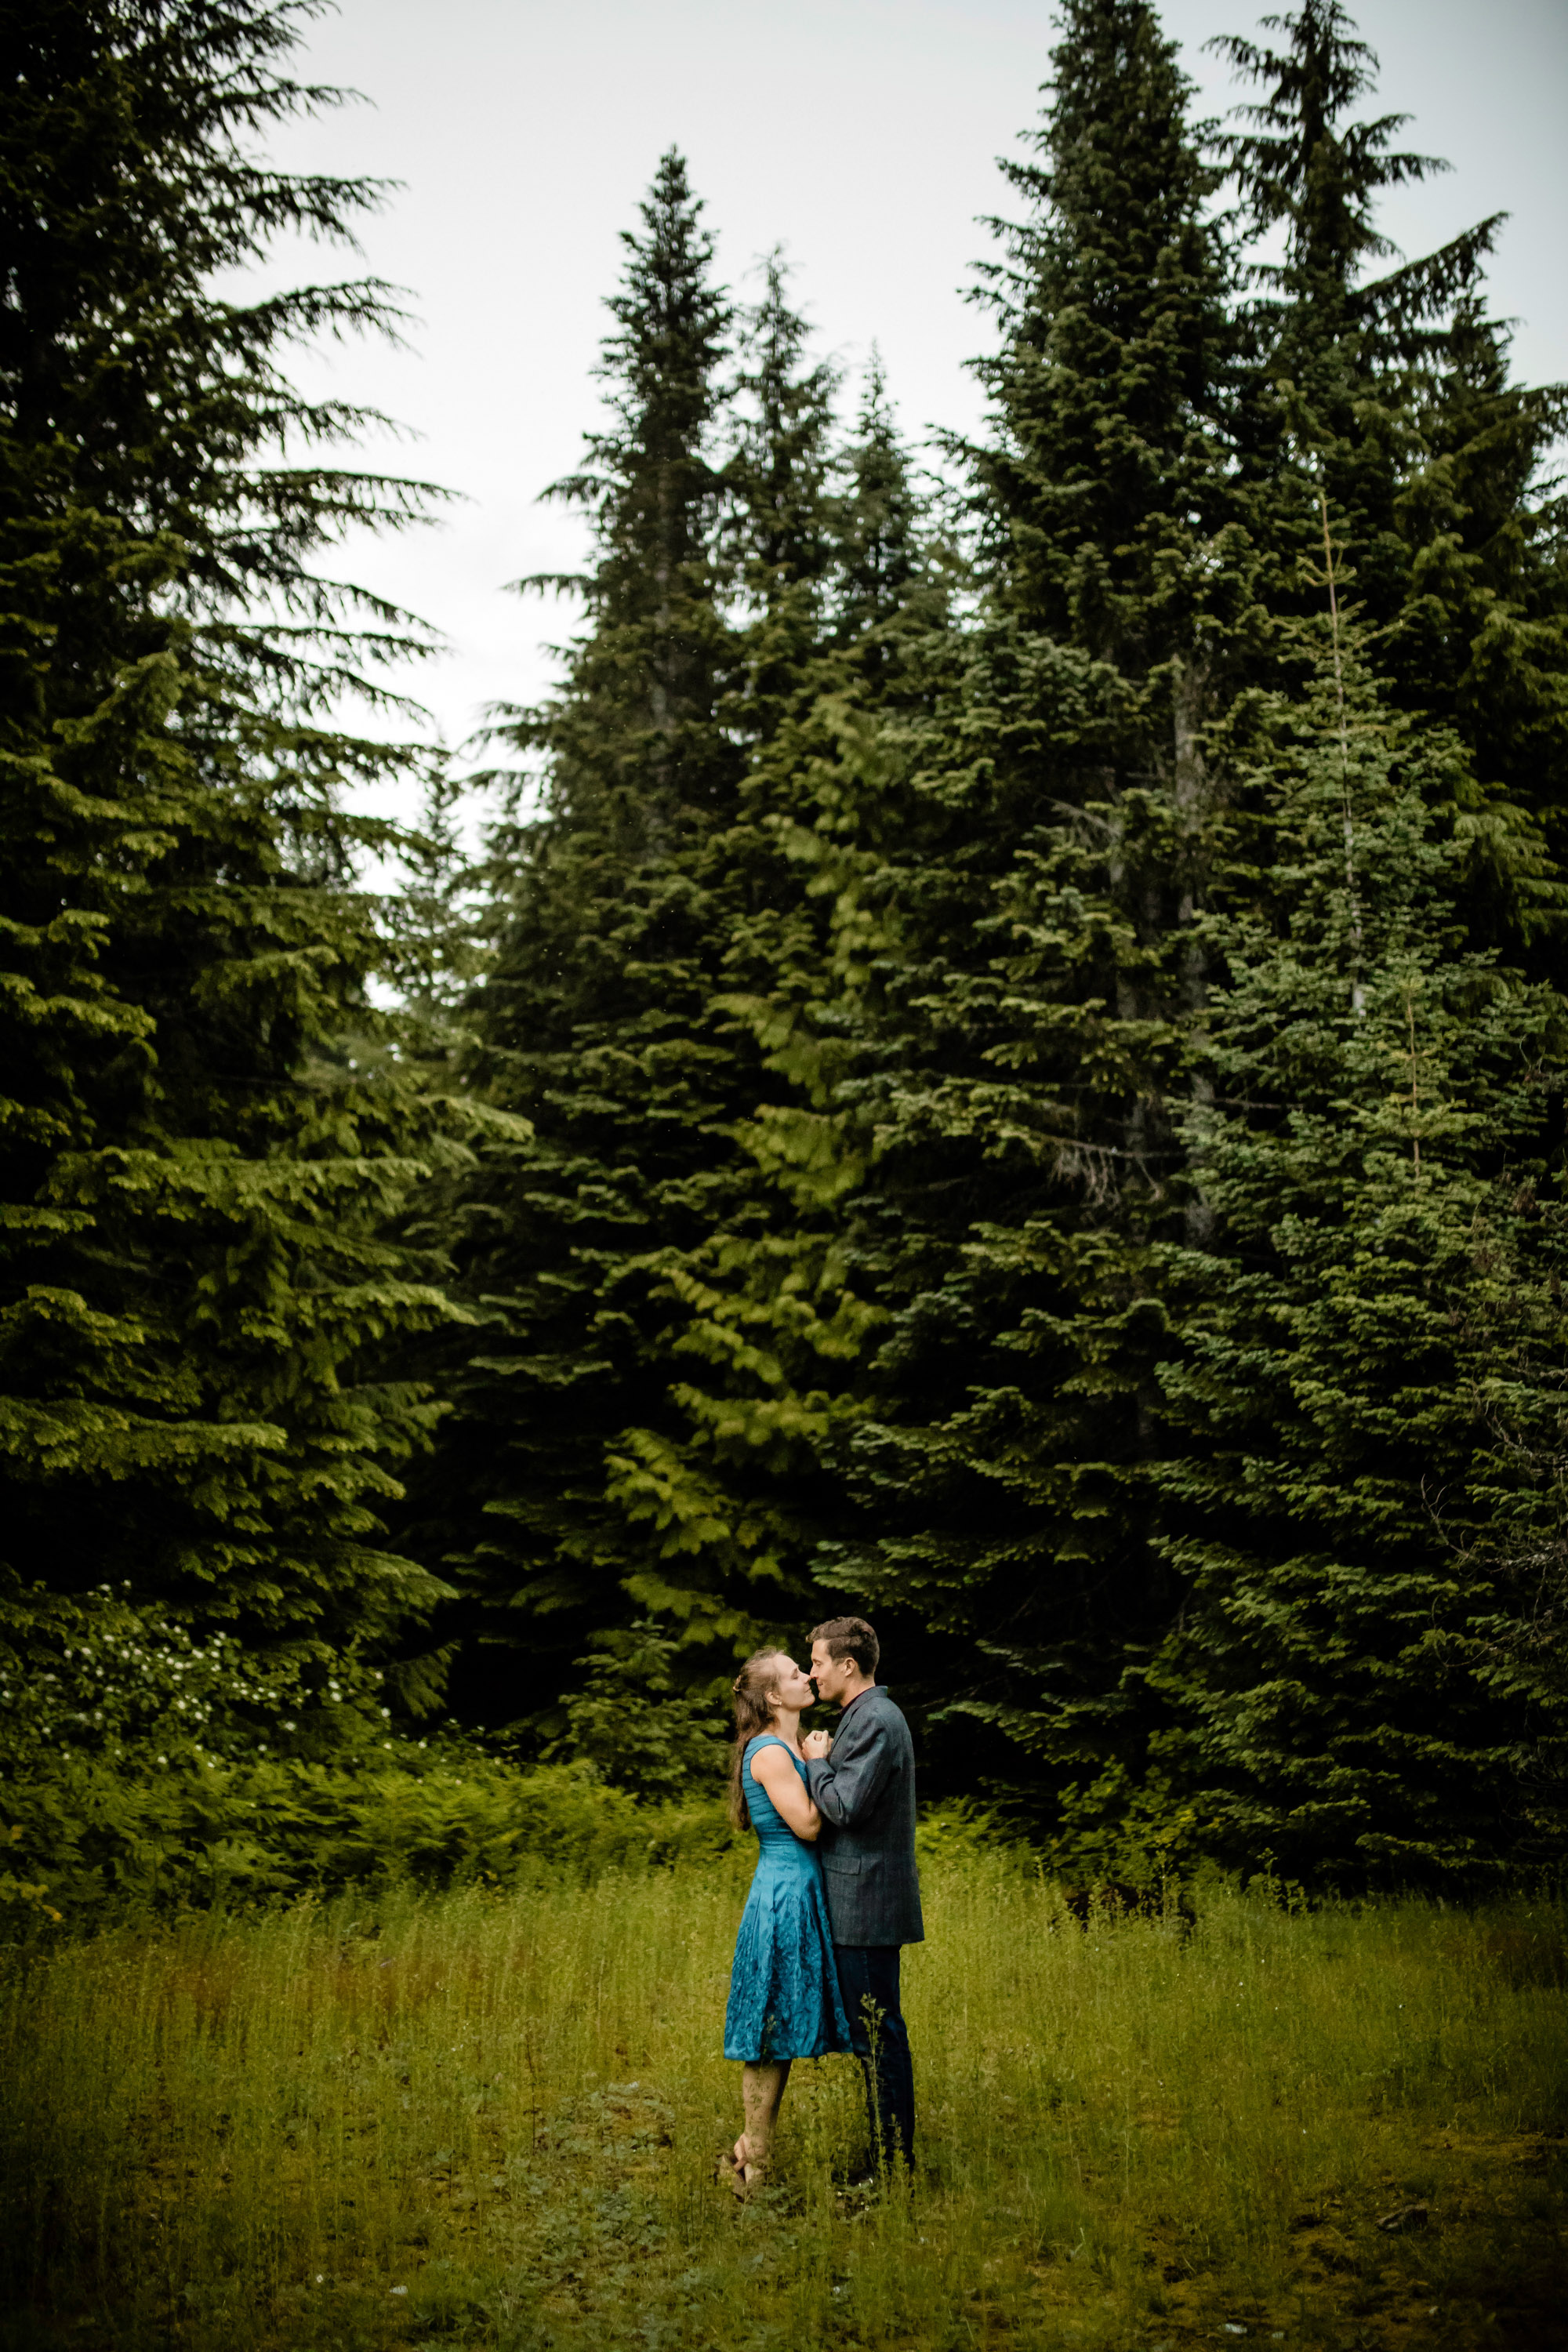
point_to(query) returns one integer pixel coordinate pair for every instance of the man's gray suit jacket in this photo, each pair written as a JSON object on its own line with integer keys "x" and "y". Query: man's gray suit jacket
{"x": 864, "y": 1792}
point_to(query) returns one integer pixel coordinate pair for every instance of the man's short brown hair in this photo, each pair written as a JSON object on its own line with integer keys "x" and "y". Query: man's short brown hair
{"x": 850, "y": 1637}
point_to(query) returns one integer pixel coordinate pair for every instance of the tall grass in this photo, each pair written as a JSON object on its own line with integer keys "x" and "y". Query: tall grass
{"x": 464, "y": 2119}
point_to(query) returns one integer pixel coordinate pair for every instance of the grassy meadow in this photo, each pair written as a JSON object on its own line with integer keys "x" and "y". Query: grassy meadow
{"x": 492, "y": 2120}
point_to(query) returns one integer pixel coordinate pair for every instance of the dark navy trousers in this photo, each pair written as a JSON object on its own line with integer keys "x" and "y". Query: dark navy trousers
{"x": 868, "y": 1986}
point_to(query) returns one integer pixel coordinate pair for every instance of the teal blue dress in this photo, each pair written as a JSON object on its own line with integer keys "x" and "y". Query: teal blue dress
{"x": 784, "y": 1987}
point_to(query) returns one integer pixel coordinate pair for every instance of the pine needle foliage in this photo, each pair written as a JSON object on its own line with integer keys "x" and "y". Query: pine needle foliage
{"x": 956, "y": 992}
{"x": 769, "y": 1351}
{"x": 1392, "y": 387}
{"x": 1038, "y": 909}
{"x": 654, "y": 1383}
{"x": 1373, "y": 1341}
{"x": 197, "y": 1161}
{"x": 593, "y": 1021}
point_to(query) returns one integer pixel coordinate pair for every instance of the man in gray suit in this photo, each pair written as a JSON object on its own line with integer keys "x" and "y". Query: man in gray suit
{"x": 863, "y": 1779}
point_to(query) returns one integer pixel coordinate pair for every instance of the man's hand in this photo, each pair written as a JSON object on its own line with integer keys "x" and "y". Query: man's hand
{"x": 816, "y": 1745}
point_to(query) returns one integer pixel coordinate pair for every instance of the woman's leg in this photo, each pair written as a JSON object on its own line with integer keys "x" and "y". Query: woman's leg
{"x": 762, "y": 2094}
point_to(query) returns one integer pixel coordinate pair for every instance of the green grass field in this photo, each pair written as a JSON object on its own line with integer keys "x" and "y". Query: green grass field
{"x": 493, "y": 2121}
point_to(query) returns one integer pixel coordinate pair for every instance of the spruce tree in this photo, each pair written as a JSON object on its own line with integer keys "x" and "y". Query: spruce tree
{"x": 1039, "y": 954}
{"x": 780, "y": 513}
{"x": 198, "y": 1166}
{"x": 769, "y": 1330}
{"x": 1390, "y": 388}
{"x": 1372, "y": 1341}
{"x": 696, "y": 1473}
{"x": 593, "y": 1021}
{"x": 1147, "y": 507}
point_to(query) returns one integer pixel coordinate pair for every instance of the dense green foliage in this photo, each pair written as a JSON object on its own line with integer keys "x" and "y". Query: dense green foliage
{"x": 595, "y": 1019}
{"x": 1042, "y": 960}
{"x": 203, "y": 1138}
{"x": 943, "y": 1321}
{"x": 1370, "y": 1369}
{"x": 1392, "y": 393}
{"x": 1014, "y": 1019}
{"x": 628, "y": 1431}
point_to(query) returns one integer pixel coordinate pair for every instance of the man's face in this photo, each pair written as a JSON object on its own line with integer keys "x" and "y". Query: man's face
{"x": 832, "y": 1676}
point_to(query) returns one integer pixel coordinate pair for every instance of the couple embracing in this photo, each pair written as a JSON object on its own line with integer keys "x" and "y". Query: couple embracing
{"x": 836, "y": 1891}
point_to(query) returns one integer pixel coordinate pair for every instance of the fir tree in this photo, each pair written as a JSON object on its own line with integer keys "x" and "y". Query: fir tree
{"x": 1039, "y": 953}
{"x": 1087, "y": 792}
{"x": 697, "y": 1476}
{"x": 593, "y": 1020}
{"x": 436, "y": 921}
{"x": 198, "y": 1167}
{"x": 1374, "y": 1343}
{"x": 768, "y": 1333}
{"x": 780, "y": 514}
{"x": 1392, "y": 387}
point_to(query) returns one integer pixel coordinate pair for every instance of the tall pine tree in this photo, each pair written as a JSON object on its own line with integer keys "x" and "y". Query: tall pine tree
{"x": 1040, "y": 957}
{"x": 681, "y": 1508}
{"x": 594, "y": 1019}
{"x": 1373, "y": 1341}
{"x": 1391, "y": 389}
{"x": 768, "y": 1331}
{"x": 197, "y": 1165}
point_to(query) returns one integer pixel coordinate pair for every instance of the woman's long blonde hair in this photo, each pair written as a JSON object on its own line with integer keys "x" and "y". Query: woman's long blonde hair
{"x": 755, "y": 1689}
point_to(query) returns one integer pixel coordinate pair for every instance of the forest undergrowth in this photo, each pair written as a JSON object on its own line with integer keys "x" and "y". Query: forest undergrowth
{"x": 493, "y": 2120}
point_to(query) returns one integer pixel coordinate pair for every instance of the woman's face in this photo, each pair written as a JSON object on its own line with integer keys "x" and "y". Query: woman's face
{"x": 792, "y": 1691}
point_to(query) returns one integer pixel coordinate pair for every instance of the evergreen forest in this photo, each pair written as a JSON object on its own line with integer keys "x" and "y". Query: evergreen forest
{"x": 991, "y": 1054}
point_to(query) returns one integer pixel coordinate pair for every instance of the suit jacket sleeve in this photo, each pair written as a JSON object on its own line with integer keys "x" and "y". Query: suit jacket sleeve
{"x": 848, "y": 1784}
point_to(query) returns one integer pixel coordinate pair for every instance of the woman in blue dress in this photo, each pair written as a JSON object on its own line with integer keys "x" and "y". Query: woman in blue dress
{"x": 784, "y": 2001}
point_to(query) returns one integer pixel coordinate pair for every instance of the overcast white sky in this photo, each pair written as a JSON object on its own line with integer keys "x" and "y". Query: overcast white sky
{"x": 862, "y": 134}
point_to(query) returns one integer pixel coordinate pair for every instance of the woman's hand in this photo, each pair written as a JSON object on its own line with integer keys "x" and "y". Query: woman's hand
{"x": 816, "y": 1745}
{"x": 784, "y": 1784}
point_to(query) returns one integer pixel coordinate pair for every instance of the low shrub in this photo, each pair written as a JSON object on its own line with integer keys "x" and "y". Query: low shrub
{"x": 87, "y": 1838}
{"x": 144, "y": 1768}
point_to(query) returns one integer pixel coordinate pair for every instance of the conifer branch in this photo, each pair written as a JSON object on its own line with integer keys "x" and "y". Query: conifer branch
{"x": 1357, "y": 997}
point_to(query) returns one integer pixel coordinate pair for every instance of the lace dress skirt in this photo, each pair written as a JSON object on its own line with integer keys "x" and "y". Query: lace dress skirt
{"x": 784, "y": 1987}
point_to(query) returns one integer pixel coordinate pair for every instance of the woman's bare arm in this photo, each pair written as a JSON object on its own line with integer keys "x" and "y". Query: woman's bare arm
{"x": 791, "y": 1797}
